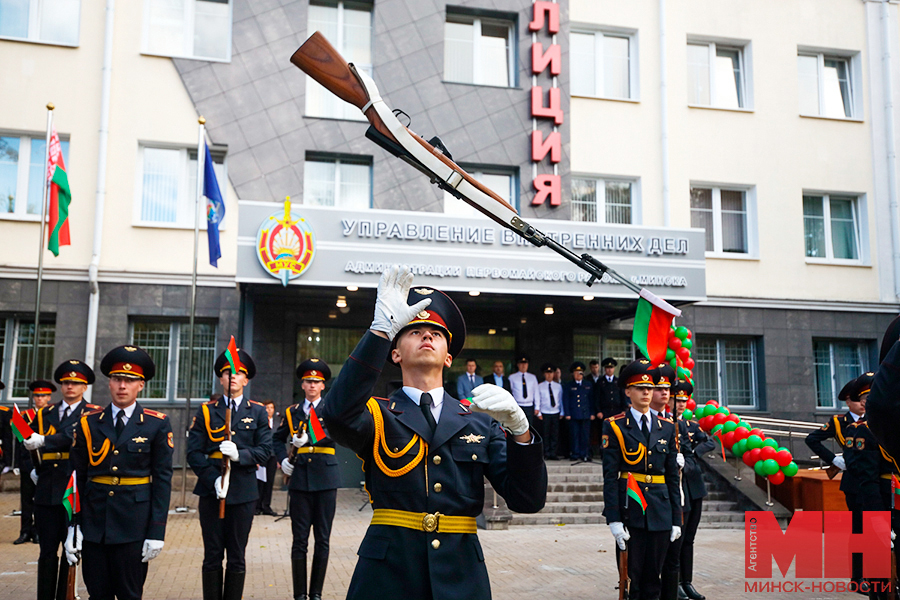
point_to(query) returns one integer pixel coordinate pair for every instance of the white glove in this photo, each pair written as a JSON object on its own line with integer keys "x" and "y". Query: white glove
{"x": 34, "y": 441}
{"x": 392, "y": 313}
{"x": 839, "y": 463}
{"x": 676, "y": 533}
{"x": 229, "y": 449}
{"x": 73, "y": 544}
{"x": 499, "y": 404}
{"x": 620, "y": 533}
{"x": 221, "y": 487}
{"x": 287, "y": 467}
{"x": 33, "y": 476}
{"x": 6, "y": 470}
{"x": 16, "y": 471}
{"x": 151, "y": 549}
{"x": 893, "y": 537}
{"x": 299, "y": 441}
{"x": 679, "y": 458}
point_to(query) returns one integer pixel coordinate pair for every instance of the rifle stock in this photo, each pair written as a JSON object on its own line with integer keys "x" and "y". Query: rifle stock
{"x": 70, "y": 583}
{"x": 623, "y": 573}
{"x": 226, "y": 462}
{"x": 832, "y": 471}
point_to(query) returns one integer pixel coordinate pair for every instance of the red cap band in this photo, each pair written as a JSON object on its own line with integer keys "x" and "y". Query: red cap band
{"x": 126, "y": 369}
{"x": 313, "y": 374}
{"x": 41, "y": 391}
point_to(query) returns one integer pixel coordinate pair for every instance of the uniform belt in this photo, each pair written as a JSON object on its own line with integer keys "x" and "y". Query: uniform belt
{"x": 108, "y": 480}
{"x": 315, "y": 450}
{"x": 215, "y": 455}
{"x": 429, "y": 522}
{"x": 644, "y": 478}
{"x": 55, "y": 456}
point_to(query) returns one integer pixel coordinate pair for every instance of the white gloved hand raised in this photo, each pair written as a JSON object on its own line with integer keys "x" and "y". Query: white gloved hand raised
{"x": 676, "y": 533}
{"x": 73, "y": 544}
{"x": 679, "y": 458}
{"x": 34, "y": 441}
{"x": 300, "y": 441}
{"x": 33, "y": 476}
{"x": 229, "y": 449}
{"x": 392, "y": 313}
{"x": 500, "y": 405}
{"x": 151, "y": 549}
{"x": 620, "y": 533}
{"x": 221, "y": 487}
{"x": 287, "y": 467}
{"x": 839, "y": 463}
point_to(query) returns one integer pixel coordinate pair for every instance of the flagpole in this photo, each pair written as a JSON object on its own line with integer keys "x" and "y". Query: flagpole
{"x": 40, "y": 272}
{"x": 201, "y": 162}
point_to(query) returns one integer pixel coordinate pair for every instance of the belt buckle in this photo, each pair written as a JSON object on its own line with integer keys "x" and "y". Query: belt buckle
{"x": 430, "y": 522}
{"x": 648, "y": 478}
{"x": 115, "y": 481}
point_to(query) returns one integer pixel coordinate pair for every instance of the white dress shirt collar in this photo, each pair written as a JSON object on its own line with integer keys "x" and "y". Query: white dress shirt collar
{"x": 315, "y": 403}
{"x": 72, "y": 408}
{"x": 129, "y": 410}
{"x": 237, "y": 401}
{"x": 637, "y": 415}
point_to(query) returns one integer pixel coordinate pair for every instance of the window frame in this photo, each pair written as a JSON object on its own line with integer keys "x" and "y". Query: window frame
{"x": 22, "y": 173}
{"x": 633, "y": 63}
{"x": 863, "y": 348}
{"x": 751, "y": 224}
{"x": 601, "y": 181}
{"x": 34, "y": 28}
{"x": 477, "y": 171}
{"x": 860, "y": 219}
{"x": 9, "y": 353}
{"x": 721, "y": 384}
{"x": 477, "y": 21}
{"x": 854, "y": 77}
{"x": 189, "y": 23}
{"x": 745, "y": 99}
{"x": 338, "y": 159}
{"x": 601, "y": 349}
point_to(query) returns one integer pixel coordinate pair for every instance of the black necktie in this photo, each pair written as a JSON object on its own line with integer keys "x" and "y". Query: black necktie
{"x": 425, "y": 405}
{"x": 645, "y": 429}
{"x": 233, "y": 406}
{"x": 66, "y": 413}
{"x": 524, "y": 387}
{"x": 552, "y": 399}
{"x": 120, "y": 422}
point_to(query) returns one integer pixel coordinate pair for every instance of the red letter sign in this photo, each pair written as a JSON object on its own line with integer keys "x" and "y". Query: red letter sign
{"x": 764, "y": 541}
{"x": 873, "y": 543}
{"x": 547, "y": 185}
{"x": 552, "y": 10}
{"x": 540, "y": 59}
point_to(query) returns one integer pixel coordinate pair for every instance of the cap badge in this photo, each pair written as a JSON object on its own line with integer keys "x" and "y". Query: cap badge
{"x": 74, "y": 362}
{"x": 73, "y": 374}
{"x": 424, "y": 291}
{"x": 130, "y": 349}
{"x": 127, "y": 366}
{"x": 472, "y": 438}
{"x": 424, "y": 314}
{"x": 313, "y": 373}
{"x": 644, "y": 377}
{"x": 314, "y": 360}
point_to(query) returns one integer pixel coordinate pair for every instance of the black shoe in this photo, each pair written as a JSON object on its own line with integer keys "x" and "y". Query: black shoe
{"x": 269, "y": 512}
{"x": 681, "y": 594}
{"x": 316, "y": 597}
{"x": 212, "y": 584}
{"x": 34, "y": 539}
{"x": 257, "y": 512}
{"x": 233, "y": 588}
{"x": 22, "y": 539}
{"x": 691, "y": 591}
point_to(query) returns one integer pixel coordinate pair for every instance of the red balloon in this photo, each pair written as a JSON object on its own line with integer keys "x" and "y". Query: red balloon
{"x": 683, "y": 353}
{"x": 689, "y": 364}
{"x": 757, "y": 431}
{"x": 691, "y": 405}
{"x": 706, "y": 423}
{"x": 675, "y": 344}
{"x": 729, "y": 440}
{"x": 714, "y": 403}
{"x": 767, "y": 452}
{"x": 690, "y": 334}
{"x": 741, "y": 434}
{"x": 783, "y": 458}
{"x": 733, "y": 418}
{"x": 748, "y": 458}
{"x": 719, "y": 419}
{"x": 777, "y": 478}
{"x": 671, "y": 334}
{"x": 754, "y": 455}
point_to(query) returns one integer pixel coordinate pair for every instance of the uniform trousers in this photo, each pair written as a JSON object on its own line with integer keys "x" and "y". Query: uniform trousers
{"x": 51, "y": 523}
{"x": 528, "y": 409}
{"x": 672, "y": 565}
{"x": 691, "y": 523}
{"x": 113, "y": 570}
{"x": 551, "y": 434}
{"x": 857, "y": 525}
{"x": 316, "y": 510}
{"x": 265, "y": 487}
{"x": 229, "y": 534}
{"x": 646, "y": 553}
{"x": 581, "y": 431}
{"x": 26, "y": 501}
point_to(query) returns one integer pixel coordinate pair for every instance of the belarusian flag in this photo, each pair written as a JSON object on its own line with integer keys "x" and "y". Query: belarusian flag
{"x": 20, "y": 428}
{"x": 652, "y": 322}
{"x": 634, "y": 492}
{"x": 316, "y": 433}
{"x": 231, "y": 355}
{"x": 60, "y": 197}
{"x": 71, "y": 498}
{"x": 895, "y": 489}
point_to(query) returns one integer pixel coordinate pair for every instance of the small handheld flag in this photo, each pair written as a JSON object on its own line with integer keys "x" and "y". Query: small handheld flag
{"x": 215, "y": 208}
{"x": 633, "y": 491}
{"x": 316, "y": 433}
{"x": 71, "y": 498}
{"x": 895, "y": 491}
{"x": 652, "y": 322}
{"x": 231, "y": 354}
{"x": 20, "y": 428}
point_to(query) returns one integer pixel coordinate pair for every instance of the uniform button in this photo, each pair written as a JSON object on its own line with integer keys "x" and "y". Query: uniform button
{"x": 435, "y": 544}
{"x": 115, "y": 468}
{"x": 396, "y": 449}
{"x": 649, "y": 466}
{"x": 649, "y": 452}
{"x": 436, "y": 460}
{"x": 116, "y": 452}
{"x": 112, "y": 493}
{"x": 474, "y": 457}
{"x": 438, "y": 487}
{"x": 309, "y": 460}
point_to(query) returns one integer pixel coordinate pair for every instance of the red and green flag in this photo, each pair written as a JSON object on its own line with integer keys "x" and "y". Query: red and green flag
{"x": 652, "y": 323}
{"x": 231, "y": 355}
{"x": 71, "y": 497}
{"x": 316, "y": 433}
{"x": 60, "y": 197}
{"x": 895, "y": 491}
{"x": 20, "y": 428}
{"x": 633, "y": 491}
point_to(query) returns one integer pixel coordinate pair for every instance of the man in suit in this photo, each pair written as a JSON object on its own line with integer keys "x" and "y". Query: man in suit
{"x": 315, "y": 477}
{"x": 468, "y": 381}
{"x": 594, "y": 375}
{"x": 54, "y": 429}
{"x": 579, "y": 411}
{"x": 425, "y": 454}
{"x": 523, "y": 386}
{"x": 264, "y": 504}
{"x": 27, "y": 528}
{"x": 641, "y": 445}
{"x": 550, "y": 408}
{"x": 122, "y": 457}
{"x": 497, "y": 377}
{"x": 250, "y": 445}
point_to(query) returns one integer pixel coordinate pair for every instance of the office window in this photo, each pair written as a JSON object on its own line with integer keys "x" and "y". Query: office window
{"x": 348, "y": 26}
{"x": 592, "y": 346}
{"x": 21, "y": 169}
{"x": 331, "y": 344}
{"x": 343, "y": 182}
{"x": 503, "y": 182}
{"x": 715, "y": 75}
{"x": 826, "y": 86}
{"x": 602, "y": 200}
{"x": 167, "y": 186}
{"x": 831, "y": 226}
{"x": 48, "y": 21}
{"x": 160, "y": 340}
{"x": 602, "y": 65}
{"x": 836, "y": 363}
{"x": 198, "y": 29}
{"x": 723, "y": 214}
{"x": 479, "y": 50}
{"x": 17, "y": 345}
{"x": 725, "y": 370}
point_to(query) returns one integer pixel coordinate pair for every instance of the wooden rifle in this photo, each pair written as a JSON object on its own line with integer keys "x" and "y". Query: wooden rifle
{"x": 70, "y": 582}
{"x": 832, "y": 471}
{"x": 226, "y": 462}
{"x": 623, "y": 573}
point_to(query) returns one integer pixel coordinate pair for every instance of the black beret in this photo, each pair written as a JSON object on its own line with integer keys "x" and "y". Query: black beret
{"x": 665, "y": 375}
{"x": 74, "y": 370}
{"x": 577, "y": 366}
{"x": 442, "y": 312}
{"x": 128, "y": 361}
{"x": 41, "y": 386}
{"x": 247, "y": 364}
{"x": 638, "y": 373}
{"x": 609, "y": 362}
{"x": 314, "y": 368}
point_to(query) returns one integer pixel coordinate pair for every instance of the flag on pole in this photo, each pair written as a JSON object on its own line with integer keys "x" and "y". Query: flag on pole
{"x": 316, "y": 433}
{"x": 215, "y": 208}
{"x": 20, "y": 428}
{"x": 633, "y": 491}
{"x": 60, "y": 197}
{"x": 652, "y": 322}
{"x": 231, "y": 354}
{"x": 71, "y": 498}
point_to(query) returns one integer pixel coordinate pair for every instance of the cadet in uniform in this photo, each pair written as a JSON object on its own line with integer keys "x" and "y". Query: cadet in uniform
{"x": 250, "y": 445}
{"x": 883, "y": 404}
{"x": 122, "y": 457}
{"x": 315, "y": 477}
{"x": 550, "y": 407}
{"x": 636, "y": 442}
{"x": 608, "y": 397}
{"x": 54, "y": 428}
{"x": 579, "y": 411}
{"x": 7, "y": 451}
{"x": 425, "y": 454}
{"x": 27, "y": 529}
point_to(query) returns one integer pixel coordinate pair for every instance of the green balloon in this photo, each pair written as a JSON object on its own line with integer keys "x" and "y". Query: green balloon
{"x": 687, "y": 344}
{"x": 780, "y": 448}
{"x": 688, "y": 414}
{"x": 745, "y": 425}
{"x": 670, "y": 355}
{"x": 709, "y": 410}
{"x": 770, "y": 466}
{"x": 760, "y": 468}
{"x": 673, "y": 363}
{"x": 681, "y": 332}
{"x": 790, "y": 470}
{"x": 770, "y": 442}
{"x": 754, "y": 441}
{"x": 739, "y": 448}
{"x": 730, "y": 426}
{"x": 723, "y": 410}
{"x": 717, "y": 429}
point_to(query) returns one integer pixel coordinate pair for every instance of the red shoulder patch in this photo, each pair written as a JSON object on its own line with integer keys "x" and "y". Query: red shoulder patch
{"x": 256, "y": 403}
{"x": 93, "y": 407}
{"x": 154, "y": 413}
{"x": 618, "y": 416}
{"x": 5, "y": 408}
{"x": 210, "y": 402}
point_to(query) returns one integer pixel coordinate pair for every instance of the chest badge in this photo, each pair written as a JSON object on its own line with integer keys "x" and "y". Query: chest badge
{"x": 139, "y": 440}
{"x": 663, "y": 441}
{"x": 472, "y": 438}
{"x": 247, "y": 420}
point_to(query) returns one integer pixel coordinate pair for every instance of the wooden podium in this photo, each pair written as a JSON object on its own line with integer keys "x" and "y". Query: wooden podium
{"x": 808, "y": 490}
